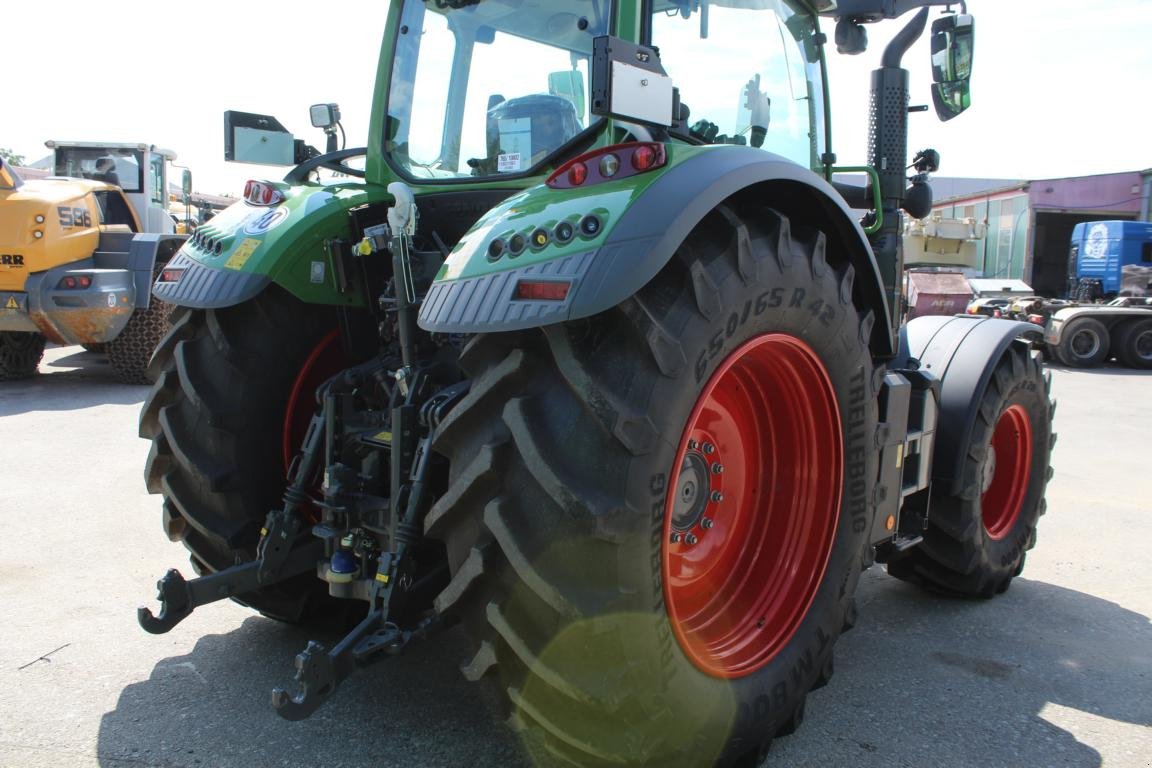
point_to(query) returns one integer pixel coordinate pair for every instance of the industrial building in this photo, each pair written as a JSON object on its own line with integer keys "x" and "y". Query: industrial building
{"x": 1028, "y": 224}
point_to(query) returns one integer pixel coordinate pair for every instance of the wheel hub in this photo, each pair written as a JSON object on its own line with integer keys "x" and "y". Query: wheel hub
{"x": 1007, "y": 472}
{"x": 752, "y": 506}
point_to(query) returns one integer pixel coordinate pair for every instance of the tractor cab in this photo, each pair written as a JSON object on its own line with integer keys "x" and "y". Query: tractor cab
{"x": 496, "y": 89}
{"x": 140, "y": 171}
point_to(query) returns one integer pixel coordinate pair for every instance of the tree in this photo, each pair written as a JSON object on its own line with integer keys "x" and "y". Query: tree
{"x": 11, "y": 157}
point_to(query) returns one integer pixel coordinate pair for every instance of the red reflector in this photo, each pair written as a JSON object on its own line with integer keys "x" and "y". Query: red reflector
{"x": 542, "y": 290}
{"x": 262, "y": 193}
{"x": 170, "y": 275}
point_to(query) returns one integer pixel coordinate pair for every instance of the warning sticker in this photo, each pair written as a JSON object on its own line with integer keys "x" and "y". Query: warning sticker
{"x": 12, "y": 303}
{"x": 242, "y": 253}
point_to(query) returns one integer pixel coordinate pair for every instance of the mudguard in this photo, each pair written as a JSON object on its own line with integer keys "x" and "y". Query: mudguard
{"x": 962, "y": 352}
{"x": 643, "y": 220}
{"x": 238, "y": 253}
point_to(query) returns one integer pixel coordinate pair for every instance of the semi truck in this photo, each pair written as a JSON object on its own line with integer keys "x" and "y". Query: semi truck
{"x": 78, "y": 253}
{"x": 592, "y": 358}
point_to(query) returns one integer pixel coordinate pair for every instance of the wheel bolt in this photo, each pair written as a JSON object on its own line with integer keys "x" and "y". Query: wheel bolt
{"x": 716, "y": 495}
{"x": 706, "y": 523}
{"x": 717, "y": 469}
{"x": 709, "y": 448}
{"x": 690, "y": 540}
{"x": 693, "y": 445}
{"x": 677, "y": 538}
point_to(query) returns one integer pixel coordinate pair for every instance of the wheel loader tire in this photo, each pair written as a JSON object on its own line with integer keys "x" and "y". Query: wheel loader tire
{"x": 1084, "y": 343}
{"x": 20, "y": 354}
{"x": 975, "y": 541}
{"x": 224, "y": 413}
{"x": 1134, "y": 344}
{"x": 655, "y": 517}
{"x": 130, "y": 352}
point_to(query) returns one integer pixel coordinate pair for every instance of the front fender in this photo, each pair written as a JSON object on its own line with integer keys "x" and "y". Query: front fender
{"x": 961, "y": 351}
{"x": 644, "y": 220}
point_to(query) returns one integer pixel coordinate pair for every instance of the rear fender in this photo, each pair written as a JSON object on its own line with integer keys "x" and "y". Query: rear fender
{"x": 962, "y": 352}
{"x": 645, "y": 219}
{"x": 242, "y": 249}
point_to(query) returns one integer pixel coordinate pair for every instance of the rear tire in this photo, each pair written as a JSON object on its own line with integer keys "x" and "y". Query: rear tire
{"x": 217, "y": 418}
{"x": 582, "y": 449}
{"x": 975, "y": 540}
{"x": 20, "y": 354}
{"x": 1134, "y": 344}
{"x": 1084, "y": 343}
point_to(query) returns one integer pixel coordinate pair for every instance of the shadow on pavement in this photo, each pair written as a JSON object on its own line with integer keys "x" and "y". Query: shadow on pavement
{"x": 921, "y": 681}
{"x": 212, "y": 708}
{"x": 67, "y": 382}
{"x": 924, "y": 680}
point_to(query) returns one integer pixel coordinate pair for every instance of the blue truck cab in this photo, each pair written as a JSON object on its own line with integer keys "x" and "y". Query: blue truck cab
{"x": 1101, "y": 249}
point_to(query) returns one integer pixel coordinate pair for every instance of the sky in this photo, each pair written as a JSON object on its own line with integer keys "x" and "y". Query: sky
{"x": 1056, "y": 90}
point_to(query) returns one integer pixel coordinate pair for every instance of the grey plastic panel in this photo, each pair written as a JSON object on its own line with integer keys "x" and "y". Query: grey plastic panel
{"x": 486, "y": 303}
{"x": 202, "y": 287}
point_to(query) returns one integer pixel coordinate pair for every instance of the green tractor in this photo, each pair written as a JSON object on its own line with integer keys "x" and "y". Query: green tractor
{"x": 593, "y": 357}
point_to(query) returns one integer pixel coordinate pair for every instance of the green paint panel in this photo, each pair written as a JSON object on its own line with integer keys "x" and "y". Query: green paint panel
{"x": 541, "y": 207}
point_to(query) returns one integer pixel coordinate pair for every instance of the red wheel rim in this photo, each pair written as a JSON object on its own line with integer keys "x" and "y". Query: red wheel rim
{"x": 325, "y": 359}
{"x": 746, "y": 546}
{"x": 1007, "y": 472}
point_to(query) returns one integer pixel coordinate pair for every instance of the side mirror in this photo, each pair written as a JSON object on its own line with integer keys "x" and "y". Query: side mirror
{"x": 953, "y": 37}
{"x": 186, "y": 183}
{"x": 324, "y": 115}
{"x": 261, "y": 139}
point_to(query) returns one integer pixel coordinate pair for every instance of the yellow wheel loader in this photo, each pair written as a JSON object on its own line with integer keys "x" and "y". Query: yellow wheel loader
{"x": 79, "y": 252}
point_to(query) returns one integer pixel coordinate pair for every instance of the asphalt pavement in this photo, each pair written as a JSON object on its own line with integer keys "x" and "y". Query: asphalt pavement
{"x": 1057, "y": 672}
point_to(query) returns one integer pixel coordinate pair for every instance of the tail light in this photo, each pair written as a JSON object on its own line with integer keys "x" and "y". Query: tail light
{"x": 1038, "y": 319}
{"x": 74, "y": 282}
{"x": 170, "y": 275}
{"x": 262, "y": 193}
{"x": 543, "y": 290}
{"x": 618, "y": 161}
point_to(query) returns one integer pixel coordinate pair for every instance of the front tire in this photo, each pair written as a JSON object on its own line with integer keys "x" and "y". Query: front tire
{"x": 231, "y": 399}
{"x": 975, "y": 540}
{"x": 20, "y": 354}
{"x": 731, "y": 401}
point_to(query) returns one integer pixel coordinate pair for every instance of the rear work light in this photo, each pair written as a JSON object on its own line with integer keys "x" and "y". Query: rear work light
{"x": 262, "y": 193}
{"x": 618, "y": 161}
{"x": 542, "y": 290}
